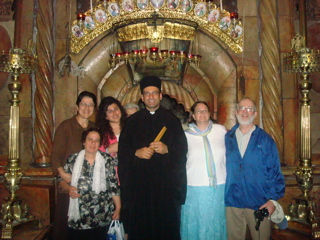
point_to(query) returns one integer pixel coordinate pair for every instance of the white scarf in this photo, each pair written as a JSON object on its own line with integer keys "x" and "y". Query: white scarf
{"x": 211, "y": 168}
{"x": 98, "y": 183}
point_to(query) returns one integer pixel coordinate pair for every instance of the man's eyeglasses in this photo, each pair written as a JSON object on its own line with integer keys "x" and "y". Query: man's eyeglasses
{"x": 248, "y": 109}
{"x": 147, "y": 94}
{"x": 90, "y": 105}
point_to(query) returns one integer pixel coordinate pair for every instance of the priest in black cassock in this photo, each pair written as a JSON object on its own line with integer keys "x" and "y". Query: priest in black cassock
{"x": 152, "y": 173}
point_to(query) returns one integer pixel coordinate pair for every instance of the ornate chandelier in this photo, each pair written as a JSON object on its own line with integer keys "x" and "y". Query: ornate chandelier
{"x": 154, "y": 55}
{"x": 156, "y": 34}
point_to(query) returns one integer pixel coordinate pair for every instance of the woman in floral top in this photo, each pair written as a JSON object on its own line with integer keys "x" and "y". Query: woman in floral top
{"x": 94, "y": 192}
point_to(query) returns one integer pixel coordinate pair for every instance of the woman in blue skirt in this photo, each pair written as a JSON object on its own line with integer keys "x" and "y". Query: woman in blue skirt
{"x": 203, "y": 214}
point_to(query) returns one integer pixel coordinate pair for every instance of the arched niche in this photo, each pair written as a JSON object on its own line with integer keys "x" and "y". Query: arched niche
{"x": 214, "y": 81}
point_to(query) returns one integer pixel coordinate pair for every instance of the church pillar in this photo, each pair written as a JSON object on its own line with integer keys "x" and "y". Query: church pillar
{"x": 17, "y": 26}
{"x": 43, "y": 98}
{"x": 270, "y": 69}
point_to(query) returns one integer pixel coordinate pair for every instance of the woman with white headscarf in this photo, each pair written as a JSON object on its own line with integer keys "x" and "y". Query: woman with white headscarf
{"x": 94, "y": 192}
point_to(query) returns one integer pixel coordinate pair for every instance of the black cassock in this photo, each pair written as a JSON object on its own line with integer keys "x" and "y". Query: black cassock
{"x": 152, "y": 190}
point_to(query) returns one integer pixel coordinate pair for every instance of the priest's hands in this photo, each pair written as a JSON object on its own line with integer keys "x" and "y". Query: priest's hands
{"x": 147, "y": 152}
{"x": 159, "y": 147}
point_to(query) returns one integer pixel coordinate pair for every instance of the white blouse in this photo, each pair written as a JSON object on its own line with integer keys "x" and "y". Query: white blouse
{"x": 196, "y": 163}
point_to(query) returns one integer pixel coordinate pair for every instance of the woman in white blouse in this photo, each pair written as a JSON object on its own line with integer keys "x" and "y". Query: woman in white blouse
{"x": 203, "y": 214}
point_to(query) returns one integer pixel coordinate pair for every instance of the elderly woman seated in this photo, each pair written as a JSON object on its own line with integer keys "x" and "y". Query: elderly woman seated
{"x": 94, "y": 192}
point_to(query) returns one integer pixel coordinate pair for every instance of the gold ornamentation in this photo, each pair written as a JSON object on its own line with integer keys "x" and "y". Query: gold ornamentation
{"x": 168, "y": 30}
{"x": 16, "y": 62}
{"x": 304, "y": 60}
{"x": 297, "y": 43}
{"x": 147, "y": 15}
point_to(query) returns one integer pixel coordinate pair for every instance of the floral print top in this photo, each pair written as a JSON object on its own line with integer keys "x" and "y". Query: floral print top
{"x": 95, "y": 209}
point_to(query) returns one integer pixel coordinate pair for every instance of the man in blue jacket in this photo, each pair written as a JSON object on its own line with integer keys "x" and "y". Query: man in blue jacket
{"x": 253, "y": 175}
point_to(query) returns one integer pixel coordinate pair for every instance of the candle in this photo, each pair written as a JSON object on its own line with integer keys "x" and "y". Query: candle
{"x": 234, "y": 15}
{"x": 135, "y": 55}
{"x": 154, "y": 49}
{"x": 143, "y": 53}
{"x": 126, "y": 55}
{"x": 221, "y": 7}
{"x": 190, "y": 58}
{"x": 164, "y": 53}
{"x": 160, "y": 134}
{"x": 81, "y": 16}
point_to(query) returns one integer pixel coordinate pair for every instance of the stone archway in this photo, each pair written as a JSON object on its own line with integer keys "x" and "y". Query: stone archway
{"x": 214, "y": 81}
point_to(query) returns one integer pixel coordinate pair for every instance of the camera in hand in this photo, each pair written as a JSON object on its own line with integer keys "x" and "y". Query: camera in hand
{"x": 259, "y": 216}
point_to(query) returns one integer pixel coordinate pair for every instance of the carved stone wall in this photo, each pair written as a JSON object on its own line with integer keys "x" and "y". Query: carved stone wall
{"x": 220, "y": 69}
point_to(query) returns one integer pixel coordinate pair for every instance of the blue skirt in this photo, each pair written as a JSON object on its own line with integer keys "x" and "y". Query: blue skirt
{"x": 203, "y": 215}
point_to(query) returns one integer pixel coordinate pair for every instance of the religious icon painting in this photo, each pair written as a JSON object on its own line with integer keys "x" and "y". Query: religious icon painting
{"x": 186, "y": 5}
{"x": 101, "y": 16}
{"x": 236, "y": 32}
{"x": 213, "y": 15}
{"x": 200, "y": 9}
{"x": 77, "y": 31}
{"x": 225, "y": 23}
{"x": 157, "y": 3}
{"x": 89, "y": 23}
{"x": 142, "y": 4}
{"x": 173, "y": 4}
{"x": 127, "y": 5}
{"x": 114, "y": 9}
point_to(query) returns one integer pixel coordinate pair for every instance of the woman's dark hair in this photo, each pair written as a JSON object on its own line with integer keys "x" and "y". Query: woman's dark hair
{"x": 86, "y": 94}
{"x": 92, "y": 129}
{"x": 191, "y": 119}
{"x": 103, "y": 124}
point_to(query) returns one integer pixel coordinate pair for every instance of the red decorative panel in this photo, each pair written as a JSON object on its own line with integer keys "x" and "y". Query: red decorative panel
{"x": 5, "y": 45}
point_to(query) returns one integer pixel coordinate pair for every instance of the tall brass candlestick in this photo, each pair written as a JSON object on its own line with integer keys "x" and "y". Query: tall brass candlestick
{"x": 16, "y": 62}
{"x": 304, "y": 60}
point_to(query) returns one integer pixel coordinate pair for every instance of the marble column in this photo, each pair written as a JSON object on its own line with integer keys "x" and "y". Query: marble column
{"x": 43, "y": 98}
{"x": 270, "y": 67}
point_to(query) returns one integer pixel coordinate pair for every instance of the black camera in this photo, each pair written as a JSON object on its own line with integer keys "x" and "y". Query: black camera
{"x": 260, "y": 215}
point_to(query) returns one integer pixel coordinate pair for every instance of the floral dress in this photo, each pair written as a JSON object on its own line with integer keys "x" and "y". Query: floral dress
{"x": 95, "y": 209}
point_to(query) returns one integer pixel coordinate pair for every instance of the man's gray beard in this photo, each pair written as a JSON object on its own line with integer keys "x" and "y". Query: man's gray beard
{"x": 245, "y": 122}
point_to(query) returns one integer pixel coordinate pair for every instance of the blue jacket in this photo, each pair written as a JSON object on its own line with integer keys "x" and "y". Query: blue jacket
{"x": 255, "y": 178}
